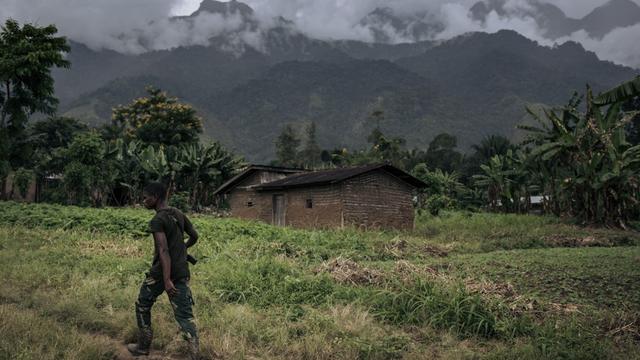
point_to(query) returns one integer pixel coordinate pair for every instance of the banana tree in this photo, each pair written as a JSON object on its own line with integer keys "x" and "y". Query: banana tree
{"x": 620, "y": 93}
{"x": 496, "y": 181}
{"x": 593, "y": 171}
{"x": 441, "y": 185}
{"x": 204, "y": 167}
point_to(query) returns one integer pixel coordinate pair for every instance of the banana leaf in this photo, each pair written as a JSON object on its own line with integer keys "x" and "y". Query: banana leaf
{"x": 620, "y": 93}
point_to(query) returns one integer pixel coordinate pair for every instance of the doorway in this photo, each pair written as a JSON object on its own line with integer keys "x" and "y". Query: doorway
{"x": 278, "y": 210}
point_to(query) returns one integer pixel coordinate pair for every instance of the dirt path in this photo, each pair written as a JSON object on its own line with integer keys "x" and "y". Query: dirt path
{"x": 121, "y": 352}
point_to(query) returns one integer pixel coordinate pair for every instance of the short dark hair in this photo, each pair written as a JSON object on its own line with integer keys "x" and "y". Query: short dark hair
{"x": 156, "y": 189}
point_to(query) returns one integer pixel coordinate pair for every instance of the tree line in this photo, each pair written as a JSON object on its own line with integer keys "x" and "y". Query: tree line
{"x": 582, "y": 160}
{"x": 154, "y": 138}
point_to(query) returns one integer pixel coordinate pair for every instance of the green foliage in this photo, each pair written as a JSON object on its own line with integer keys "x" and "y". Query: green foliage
{"x": 55, "y": 132}
{"x": 385, "y": 149}
{"x": 158, "y": 120}
{"x": 27, "y": 53}
{"x": 48, "y": 139}
{"x": 633, "y": 127}
{"x": 201, "y": 169}
{"x": 489, "y": 147}
{"x": 310, "y": 154}
{"x": 444, "y": 190}
{"x": 154, "y": 163}
{"x": 437, "y": 203}
{"x": 78, "y": 179}
{"x": 268, "y": 282}
{"x": 586, "y": 164}
{"x": 180, "y": 200}
{"x": 441, "y": 153}
{"x": 86, "y": 174}
{"x": 507, "y": 182}
{"x": 619, "y": 94}
{"x": 193, "y": 168}
{"x": 22, "y": 179}
{"x": 261, "y": 284}
{"x": 425, "y": 302}
{"x": 287, "y": 145}
{"x": 88, "y": 149}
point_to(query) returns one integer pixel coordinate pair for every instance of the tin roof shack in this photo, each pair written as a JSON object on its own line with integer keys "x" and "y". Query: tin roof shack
{"x": 373, "y": 196}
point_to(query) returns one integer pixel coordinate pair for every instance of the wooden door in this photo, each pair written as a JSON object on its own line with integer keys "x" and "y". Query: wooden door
{"x": 278, "y": 210}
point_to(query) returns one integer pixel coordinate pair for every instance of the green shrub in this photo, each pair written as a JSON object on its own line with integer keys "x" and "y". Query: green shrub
{"x": 425, "y": 302}
{"x": 267, "y": 281}
{"x": 22, "y": 180}
{"x": 180, "y": 200}
{"x": 436, "y": 203}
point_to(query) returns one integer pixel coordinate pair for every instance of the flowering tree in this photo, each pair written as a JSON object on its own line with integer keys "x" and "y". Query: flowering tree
{"x": 158, "y": 120}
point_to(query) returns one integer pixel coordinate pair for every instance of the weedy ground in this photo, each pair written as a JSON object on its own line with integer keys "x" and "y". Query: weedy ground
{"x": 459, "y": 286}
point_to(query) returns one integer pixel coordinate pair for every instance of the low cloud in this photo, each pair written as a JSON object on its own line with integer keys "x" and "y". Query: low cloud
{"x": 619, "y": 46}
{"x": 136, "y": 26}
{"x": 122, "y": 25}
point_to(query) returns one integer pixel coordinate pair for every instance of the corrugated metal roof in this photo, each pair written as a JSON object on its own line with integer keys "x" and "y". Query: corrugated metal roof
{"x": 236, "y": 179}
{"x": 335, "y": 176}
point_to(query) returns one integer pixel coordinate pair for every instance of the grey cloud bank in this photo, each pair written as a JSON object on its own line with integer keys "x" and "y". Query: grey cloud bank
{"x": 135, "y": 26}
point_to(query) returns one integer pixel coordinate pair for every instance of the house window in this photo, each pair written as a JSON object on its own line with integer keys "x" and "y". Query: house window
{"x": 249, "y": 203}
{"x": 309, "y": 203}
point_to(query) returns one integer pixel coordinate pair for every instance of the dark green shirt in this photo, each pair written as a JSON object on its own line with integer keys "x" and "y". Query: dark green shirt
{"x": 173, "y": 223}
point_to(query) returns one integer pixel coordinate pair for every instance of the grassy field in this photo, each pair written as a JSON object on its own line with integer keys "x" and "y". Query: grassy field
{"x": 460, "y": 286}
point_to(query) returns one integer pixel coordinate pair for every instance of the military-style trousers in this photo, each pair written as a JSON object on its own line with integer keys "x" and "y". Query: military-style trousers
{"x": 181, "y": 304}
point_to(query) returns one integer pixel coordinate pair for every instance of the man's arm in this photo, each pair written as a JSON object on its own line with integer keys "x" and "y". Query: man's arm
{"x": 160, "y": 240}
{"x": 193, "y": 234}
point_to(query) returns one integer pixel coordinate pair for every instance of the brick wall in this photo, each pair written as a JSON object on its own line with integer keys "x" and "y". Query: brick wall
{"x": 325, "y": 210}
{"x": 241, "y": 195}
{"x": 378, "y": 200}
{"x": 374, "y": 200}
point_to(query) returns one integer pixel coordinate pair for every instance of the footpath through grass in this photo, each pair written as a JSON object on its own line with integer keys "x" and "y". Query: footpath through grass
{"x": 459, "y": 286}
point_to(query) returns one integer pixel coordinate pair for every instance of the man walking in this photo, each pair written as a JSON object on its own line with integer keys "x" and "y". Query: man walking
{"x": 169, "y": 271}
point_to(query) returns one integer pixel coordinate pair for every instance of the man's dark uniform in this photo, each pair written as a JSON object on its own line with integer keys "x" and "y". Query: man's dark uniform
{"x": 173, "y": 223}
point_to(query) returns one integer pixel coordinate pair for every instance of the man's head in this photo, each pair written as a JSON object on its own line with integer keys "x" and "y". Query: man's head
{"x": 153, "y": 194}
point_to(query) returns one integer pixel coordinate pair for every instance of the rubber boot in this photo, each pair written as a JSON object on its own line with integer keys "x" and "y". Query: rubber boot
{"x": 194, "y": 348}
{"x": 144, "y": 343}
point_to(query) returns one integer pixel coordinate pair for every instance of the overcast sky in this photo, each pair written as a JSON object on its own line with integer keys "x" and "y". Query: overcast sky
{"x": 136, "y": 26}
{"x": 573, "y": 8}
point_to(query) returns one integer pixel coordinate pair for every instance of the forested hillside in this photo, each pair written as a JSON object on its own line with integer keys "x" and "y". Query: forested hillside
{"x": 471, "y": 86}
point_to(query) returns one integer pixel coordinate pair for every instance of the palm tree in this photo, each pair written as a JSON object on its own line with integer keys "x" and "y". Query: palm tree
{"x": 492, "y": 145}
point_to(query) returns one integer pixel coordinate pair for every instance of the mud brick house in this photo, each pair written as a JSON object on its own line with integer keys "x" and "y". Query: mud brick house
{"x": 372, "y": 196}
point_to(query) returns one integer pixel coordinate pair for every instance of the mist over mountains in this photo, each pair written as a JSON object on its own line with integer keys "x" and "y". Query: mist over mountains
{"x": 250, "y": 72}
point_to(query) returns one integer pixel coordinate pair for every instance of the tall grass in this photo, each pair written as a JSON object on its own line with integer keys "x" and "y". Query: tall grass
{"x": 259, "y": 292}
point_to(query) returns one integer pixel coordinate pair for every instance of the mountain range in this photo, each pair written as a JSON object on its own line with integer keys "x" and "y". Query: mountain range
{"x": 556, "y": 24}
{"x": 471, "y": 86}
{"x": 387, "y": 26}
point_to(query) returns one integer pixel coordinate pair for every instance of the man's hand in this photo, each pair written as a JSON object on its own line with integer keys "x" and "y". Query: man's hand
{"x": 170, "y": 288}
